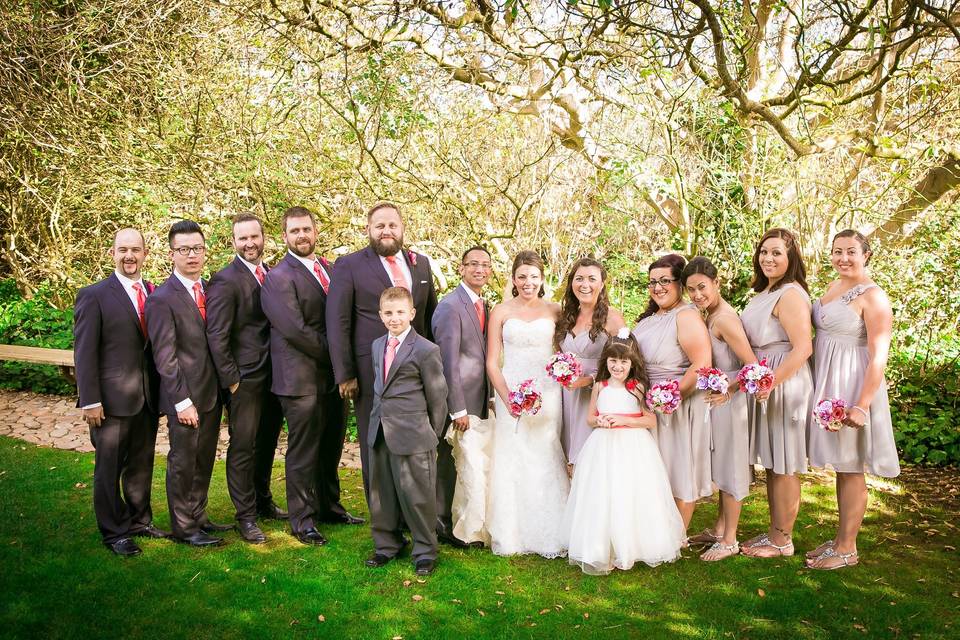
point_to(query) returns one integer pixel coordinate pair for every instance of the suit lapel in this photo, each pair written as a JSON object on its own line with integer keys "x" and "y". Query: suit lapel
{"x": 299, "y": 267}
{"x": 120, "y": 294}
{"x": 471, "y": 310}
{"x": 186, "y": 297}
{"x": 379, "y": 272}
{"x": 248, "y": 280}
{"x": 403, "y": 354}
{"x": 414, "y": 279}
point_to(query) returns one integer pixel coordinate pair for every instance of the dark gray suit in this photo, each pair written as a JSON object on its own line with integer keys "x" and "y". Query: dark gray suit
{"x": 408, "y": 413}
{"x": 463, "y": 345}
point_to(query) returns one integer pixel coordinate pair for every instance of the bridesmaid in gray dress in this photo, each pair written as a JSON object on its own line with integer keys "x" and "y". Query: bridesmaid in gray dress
{"x": 854, "y": 322}
{"x": 777, "y": 323}
{"x": 729, "y": 425}
{"x": 586, "y": 322}
{"x": 674, "y": 343}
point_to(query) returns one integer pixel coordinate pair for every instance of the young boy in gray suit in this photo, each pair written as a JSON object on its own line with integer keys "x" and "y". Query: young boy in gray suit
{"x": 409, "y": 411}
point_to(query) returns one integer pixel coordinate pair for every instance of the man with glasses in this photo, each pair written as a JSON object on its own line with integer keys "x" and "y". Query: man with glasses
{"x": 460, "y": 329}
{"x": 176, "y": 323}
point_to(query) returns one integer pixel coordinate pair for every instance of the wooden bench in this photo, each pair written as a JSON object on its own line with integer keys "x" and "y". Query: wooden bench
{"x": 62, "y": 358}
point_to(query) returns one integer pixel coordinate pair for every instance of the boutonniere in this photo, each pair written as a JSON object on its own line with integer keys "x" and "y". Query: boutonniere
{"x": 150, "y": 287}
{"x": 413, "y": 258}
{"x": 324, "y": 261}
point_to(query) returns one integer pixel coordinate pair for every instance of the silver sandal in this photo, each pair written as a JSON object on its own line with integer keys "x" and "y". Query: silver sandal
{"x": 765, "y": 541}
{"x": 734, "y": 549}
{"x": 832, "y": 553}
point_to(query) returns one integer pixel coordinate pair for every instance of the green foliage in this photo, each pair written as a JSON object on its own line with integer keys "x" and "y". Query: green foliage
{"x": 33, "y": 322}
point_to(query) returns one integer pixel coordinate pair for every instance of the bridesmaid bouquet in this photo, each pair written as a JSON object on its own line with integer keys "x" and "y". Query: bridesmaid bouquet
{"x": 756, "y": 377}
{"x": 524, "y": 400}
{"x": 830, "y": 413}
{"x": 564, "y": 368}
{"x": 711, "y": 379}
{"x": 664, "y": 397}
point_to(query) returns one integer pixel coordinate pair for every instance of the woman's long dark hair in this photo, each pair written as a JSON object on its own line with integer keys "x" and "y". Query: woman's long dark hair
{"x": 570, "y": 306}
{"x": 670, "y": 261}
{"x": 625, "y": 349}
{"x": 531, "y": 259}
{"x": 698, "y": 266}
{"x": 796, "y": 272}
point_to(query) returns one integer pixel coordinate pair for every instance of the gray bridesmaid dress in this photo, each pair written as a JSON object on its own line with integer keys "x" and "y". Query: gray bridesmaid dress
{"x": 841, "y": 358}
{"x": 576, "y": 402}
{"x": 684, "y": 435}
{"x": 729, "y": 429}
{"x": 778, "y": 430}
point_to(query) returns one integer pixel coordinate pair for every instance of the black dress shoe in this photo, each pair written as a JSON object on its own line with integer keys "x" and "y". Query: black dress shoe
{"x": 343, "y": 518}
{"x": 150, "y": 531}
{"x": 377, "y": 560}
{"x": 213, "y": 527}
{"x": 310, "y": 536}
{"x": 201, "y": 539}
{"x": 251, "y": 533}
{"x": 272, "y": 512}
{"x": 124, "y": 547}
{"x": 425, "y": 567}
{"x": 453, "y": 541}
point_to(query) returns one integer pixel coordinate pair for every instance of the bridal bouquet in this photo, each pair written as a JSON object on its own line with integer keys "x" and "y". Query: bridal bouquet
{"x": 711, "y": 379}
{"x": 564, "y": 368}
{"x": 756, "y": 377}
{"x": 664, "y": 397}
{"x": 830, "y": 413}
{"x": 524, "y": 400}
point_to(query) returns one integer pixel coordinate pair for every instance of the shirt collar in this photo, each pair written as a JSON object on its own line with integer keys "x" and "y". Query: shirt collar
{"x": 186, "y": 282}
{"x": 473, "y": 297}
{"x": 127, "y": 282}
{"x": 307, "y": 262}
{"x": 401, "y": 337}
{"x": 250, "y": 265}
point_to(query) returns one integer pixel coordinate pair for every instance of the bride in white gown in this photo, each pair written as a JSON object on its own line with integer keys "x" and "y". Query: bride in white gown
{"x": 528, "y": 483}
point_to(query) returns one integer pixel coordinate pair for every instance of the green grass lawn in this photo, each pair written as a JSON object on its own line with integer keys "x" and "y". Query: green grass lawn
{"x": 57, "y": 581}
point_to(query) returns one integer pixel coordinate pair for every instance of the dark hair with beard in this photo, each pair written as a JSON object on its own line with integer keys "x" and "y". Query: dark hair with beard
{"x": 625, "y": 349}
{"x": 183, "y": 227}
{"x": 670, "y": 261}
{"x": 531, "y": 259}
{"x": 570, "y": 306}
{"x": 246, "y": 216}
{"x": 294, "y": 212}
{"x": 796, "y": 272}
{"x": 861, "y": 240}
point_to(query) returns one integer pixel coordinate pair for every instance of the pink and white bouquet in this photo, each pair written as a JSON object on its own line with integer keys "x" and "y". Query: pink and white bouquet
{"x": 564, "y": 368}
{"x": 525, "y": 400}
{"x": 712, "y": 379}
{"x": 756, "y": 377}
{"x": 664, "y": 397}
{"x": 830, "y": 413}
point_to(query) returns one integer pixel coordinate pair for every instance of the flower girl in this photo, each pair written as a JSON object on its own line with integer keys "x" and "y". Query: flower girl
{"x": 621, "y": 509}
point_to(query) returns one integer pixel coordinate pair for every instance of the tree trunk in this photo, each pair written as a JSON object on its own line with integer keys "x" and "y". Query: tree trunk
{"x": 938, "y": 181}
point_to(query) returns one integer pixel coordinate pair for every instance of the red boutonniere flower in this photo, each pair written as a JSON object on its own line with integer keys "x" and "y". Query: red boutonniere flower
{"x": 631, "y": 385}
{"x": 413, "y": 258}
{"x": 324, "y": 261}
{"x": 150, "y": 287}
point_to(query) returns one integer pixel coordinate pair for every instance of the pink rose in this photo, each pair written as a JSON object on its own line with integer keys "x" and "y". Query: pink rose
{"x": 413, "y": 258}
{"x": 765, "y": 383}
{"x": 838, "y": 413}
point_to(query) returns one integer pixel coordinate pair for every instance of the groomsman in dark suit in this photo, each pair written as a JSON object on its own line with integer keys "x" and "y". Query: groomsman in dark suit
{"x": 459, "y": 328}
{"x": 294, "y": 298}
{"x": 353, "y": 320}
{"x": 189, "y": 397}
{"x": 239, "y": 337}
{"x": 117, "y": 384}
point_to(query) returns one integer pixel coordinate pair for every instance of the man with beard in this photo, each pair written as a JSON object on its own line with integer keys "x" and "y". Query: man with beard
{"x": 294, "y": 298}
{"x": 353, "y": 318}
{"x": 176, "y": 322}
{"x": 116, "y": 380}
{"x": 239, "y": 336}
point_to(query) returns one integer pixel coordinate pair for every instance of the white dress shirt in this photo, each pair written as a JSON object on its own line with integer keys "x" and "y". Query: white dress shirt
{"x": 404, "y": 269}
{"x": 252, "y": 267}
{"x": 188, "y": 285}
{"x": 308, "y": 263}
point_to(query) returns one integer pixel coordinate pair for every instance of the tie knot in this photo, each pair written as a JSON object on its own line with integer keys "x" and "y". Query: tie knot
{"x": 196, "y": 287}
{"x": 391, "y": 258}
{"x": 393, "y": 342}
{"x": 137, "y": 287}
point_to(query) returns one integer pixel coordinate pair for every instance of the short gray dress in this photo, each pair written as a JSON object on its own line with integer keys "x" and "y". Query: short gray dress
{"x": 778, "y": 427}
{"x": 684, "y": 435}
{"x": 729, "y": 429}
{"x": 576, "y": 402}
{"x": 841, "y": 358}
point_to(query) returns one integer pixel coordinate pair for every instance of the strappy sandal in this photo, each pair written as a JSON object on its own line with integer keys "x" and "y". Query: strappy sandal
{"x": 726, "y": 550}
{"x": 851, "y": 559}
{"x": 704, "y": 537}
{"x": 810, "y": 555}
{"x": 764, "y": 541}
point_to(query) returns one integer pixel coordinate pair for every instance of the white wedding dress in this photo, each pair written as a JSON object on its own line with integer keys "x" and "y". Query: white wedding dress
{"x": 528, "y": 479}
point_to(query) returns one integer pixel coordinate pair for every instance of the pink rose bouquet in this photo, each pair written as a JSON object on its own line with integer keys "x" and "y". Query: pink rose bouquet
{"x": 711, "y": 379}
{"x": 830, "y": 413}
{"x": 564, "y": 368}
{"x": 664, "y": 397}
{"x": 524, "y": 400}
{"x": 756, "y": 377}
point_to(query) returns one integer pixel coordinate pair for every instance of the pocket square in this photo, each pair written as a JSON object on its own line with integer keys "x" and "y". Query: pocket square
{"x": 423, "y": 282}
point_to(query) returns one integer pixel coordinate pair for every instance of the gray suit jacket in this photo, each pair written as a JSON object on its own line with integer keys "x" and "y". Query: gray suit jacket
{"x": 463, "y": 346}
{"x": 411, "y": 404}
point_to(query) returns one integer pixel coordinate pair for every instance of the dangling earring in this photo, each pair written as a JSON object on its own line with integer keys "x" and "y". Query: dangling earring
{"x": 514, "y": 291}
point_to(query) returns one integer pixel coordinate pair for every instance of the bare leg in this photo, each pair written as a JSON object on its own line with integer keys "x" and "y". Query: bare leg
{"x": 727, "y": 527}
{"x": 686, "y": 511}
{"x": 823, "y": 546}
{"x": 783, "y": 496}
{"x": 852, "y": 504}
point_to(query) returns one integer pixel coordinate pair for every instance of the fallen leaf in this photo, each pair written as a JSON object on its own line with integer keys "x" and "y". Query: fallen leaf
{"x": 417, "y": 597}
{"x": 80, "y": 485}
{"x": 421, "y": 581}
{"x": 294, "y": 621}
{"x": 407, "y": 583}
{"x": 860, "y": 627}
{"x": 51, "y": 468}
{"x": 397, "y": 638}
{"x": 456, "y": 601}
{"x": 586, "y": 615}
{"x": 500, "y": 593}
{"x": 263, "y": 580}
{"x": 543, "y": 611}
{"x": 761, "y": 593}
{"x": 321, "y": 618}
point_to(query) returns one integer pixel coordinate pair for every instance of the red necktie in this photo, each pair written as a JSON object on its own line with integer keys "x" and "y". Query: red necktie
{"x": 395, "y": 273}
{"x": 260, "y": 274}
{"x": 481, "y": 316}
{"x": 141, "y": 305}
{"x": 389, "y": 355}
{"x": 322, "y": 277}
{"x": 201, "y": 300}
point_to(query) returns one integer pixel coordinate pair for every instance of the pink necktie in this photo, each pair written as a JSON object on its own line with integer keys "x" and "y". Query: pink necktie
{"x": 389, "y": 355}
{"x": 395, "y": 273}
{"x": 141, "y": 306}
{"x": 481, "y": 316}
{"x": 260, "y": 273}
{"x": 322, "y": 277}
{"x": 201, "y": 300}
